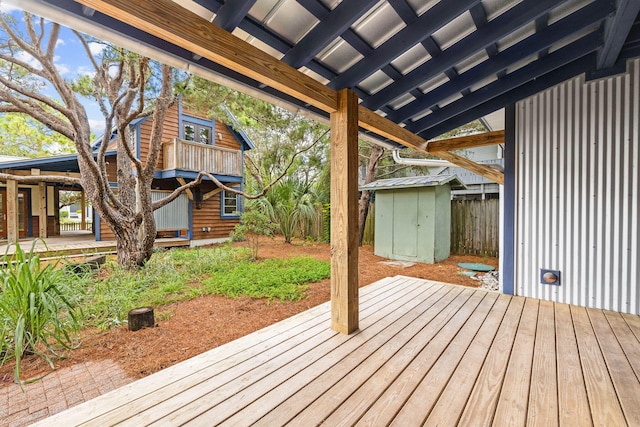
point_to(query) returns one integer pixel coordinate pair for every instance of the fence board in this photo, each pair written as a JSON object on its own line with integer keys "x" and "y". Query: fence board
{"x": 475, "y": 228}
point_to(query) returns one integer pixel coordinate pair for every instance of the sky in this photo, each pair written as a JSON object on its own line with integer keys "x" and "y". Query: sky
{"x": 72, "y": 61}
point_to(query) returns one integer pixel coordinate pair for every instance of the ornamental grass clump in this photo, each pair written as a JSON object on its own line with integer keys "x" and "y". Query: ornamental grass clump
{"x": 38, "y": 311}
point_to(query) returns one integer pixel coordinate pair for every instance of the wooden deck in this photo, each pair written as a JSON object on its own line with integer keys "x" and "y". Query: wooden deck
{"x": 426, "y": 354}
{"x": 76, "y": 244}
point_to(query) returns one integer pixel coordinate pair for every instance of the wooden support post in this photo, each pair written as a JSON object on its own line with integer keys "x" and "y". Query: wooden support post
{"x": 344, "y": 213}
{"x": 12, "y": 211}
{"x": 83, "y": 218}
{"x": 42, "y": 211}
{"x": 42, "y": 208}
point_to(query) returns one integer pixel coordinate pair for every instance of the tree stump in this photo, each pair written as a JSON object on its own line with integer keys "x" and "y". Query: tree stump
{"x": 140, "y": 318}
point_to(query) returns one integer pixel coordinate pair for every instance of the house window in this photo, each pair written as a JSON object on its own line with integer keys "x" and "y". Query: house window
{"x": 197, "y": 133}
{"x": 229, "y": 203}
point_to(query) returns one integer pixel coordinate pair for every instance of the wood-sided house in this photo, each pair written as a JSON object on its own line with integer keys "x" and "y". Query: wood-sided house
{"x": 191, "y": 143}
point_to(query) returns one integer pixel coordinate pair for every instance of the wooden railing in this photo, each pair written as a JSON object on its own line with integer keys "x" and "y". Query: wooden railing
{"x": 192, "y": 156}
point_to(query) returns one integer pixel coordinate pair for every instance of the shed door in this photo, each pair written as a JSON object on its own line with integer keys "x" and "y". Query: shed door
{"x": 405, "y": 223}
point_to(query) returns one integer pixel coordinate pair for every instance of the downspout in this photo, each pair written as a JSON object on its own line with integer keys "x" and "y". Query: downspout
{"x": 421, "y": 162}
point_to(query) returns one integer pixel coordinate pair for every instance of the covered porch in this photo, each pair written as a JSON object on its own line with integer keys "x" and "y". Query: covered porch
{"x": 426, "y": 353}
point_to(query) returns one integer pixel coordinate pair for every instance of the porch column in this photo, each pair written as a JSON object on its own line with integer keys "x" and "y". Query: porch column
{"x": 12, "y": 211}
{"x": 42, "y": 208}
{"x": 344, "y": 213}
{"x": 42, "y": 222}
{"x": 83, "y": 218}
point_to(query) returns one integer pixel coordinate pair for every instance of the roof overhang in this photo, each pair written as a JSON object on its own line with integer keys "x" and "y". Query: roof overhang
{"x": 420, "y": 67}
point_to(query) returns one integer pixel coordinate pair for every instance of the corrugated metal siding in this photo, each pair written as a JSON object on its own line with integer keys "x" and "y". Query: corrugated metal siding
{"x": 175, "y": 215}
{"x": 577, "y": 192}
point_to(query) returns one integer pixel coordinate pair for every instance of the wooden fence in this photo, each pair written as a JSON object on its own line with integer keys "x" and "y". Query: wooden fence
{"x": 475, "y": 227}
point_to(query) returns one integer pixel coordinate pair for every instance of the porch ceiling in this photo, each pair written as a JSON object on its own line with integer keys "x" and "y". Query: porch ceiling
{"x": 427, "y": 65}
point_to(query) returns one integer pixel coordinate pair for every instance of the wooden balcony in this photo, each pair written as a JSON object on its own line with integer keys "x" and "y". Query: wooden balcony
{"x": 193, "y": 156}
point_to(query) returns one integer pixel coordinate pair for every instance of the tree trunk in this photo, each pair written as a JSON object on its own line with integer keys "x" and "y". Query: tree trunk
{"x": 363, "y": 205}
{"x": 140, "y": 318}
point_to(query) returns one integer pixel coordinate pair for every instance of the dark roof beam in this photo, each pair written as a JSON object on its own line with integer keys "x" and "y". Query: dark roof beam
{"x": 212, "y": 5}
{"x": 501, "y": 26}
{"x": 330, "y": 27}
{"x": 404, "y": 11}
{"x": 616, "y": 31}
{"x": 553, "y": 61}
{"x": 479, "y": 16}
{"x": 559, "y": 30}
{"x": 542, "y": 23}
{"x": 538, "y": 85}
{"x": 415, "y": 32}
{"x": 232, "y": 13}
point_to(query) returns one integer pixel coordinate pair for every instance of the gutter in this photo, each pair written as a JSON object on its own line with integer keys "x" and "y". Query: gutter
{"x": 421, "y": 162}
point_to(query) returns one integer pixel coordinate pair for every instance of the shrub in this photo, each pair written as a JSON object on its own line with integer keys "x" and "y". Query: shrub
{"x": 38, "y": 312}
{"x": 274, "y": 278}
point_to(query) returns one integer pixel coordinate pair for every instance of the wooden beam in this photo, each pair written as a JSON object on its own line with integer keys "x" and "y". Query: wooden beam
{"x": 181, "y": 181}
{"x": 469, "y": 141}
{"x": 12, "y": 211}
{"x": 169, "y": 21}
{"x": 42, "y": 211}
{"x": 482, "y": 170}
{"x": 83, "y": 218}
{"x": 42, "y": 208}
{"x": 344, "y": 213}
{"x": 211, "y": 193}
{"x": 47, "y": 173}
{"x": 384, "y": 127}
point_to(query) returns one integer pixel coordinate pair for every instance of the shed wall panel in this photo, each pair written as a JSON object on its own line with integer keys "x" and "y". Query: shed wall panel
{"x": 577, "y": 186}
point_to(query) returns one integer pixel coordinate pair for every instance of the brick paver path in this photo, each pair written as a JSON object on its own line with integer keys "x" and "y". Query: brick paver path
{"x": 58, "y": 391}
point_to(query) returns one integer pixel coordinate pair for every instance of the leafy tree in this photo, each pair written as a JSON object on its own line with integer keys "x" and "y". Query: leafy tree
{"x": 285, "y": 141}
{"x": 289, "y": 201}
{"x": 255, "y": 223}
{"x": 125, "y": 86}
{"x": 25, "y": 137}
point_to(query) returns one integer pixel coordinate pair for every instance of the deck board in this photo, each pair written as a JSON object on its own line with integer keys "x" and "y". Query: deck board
{"x": 426, "y": 353}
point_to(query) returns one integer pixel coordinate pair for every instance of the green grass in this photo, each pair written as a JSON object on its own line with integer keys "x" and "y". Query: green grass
{"x": 183, "y": 274}
{"x": 274, "y": 278}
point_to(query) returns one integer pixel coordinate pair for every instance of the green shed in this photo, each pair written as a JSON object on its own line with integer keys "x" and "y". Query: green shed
{"x": 413, "y": 217}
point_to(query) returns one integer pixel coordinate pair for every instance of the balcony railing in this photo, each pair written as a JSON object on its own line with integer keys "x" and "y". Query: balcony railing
{"x": 192, "y": 156}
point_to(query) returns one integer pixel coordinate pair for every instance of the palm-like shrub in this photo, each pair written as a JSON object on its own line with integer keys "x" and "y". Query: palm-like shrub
{"x": 38, "y": 313}
{"x": 287, "y": 203}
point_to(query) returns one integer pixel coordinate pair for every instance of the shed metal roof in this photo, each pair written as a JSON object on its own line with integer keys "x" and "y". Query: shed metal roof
{"x": 415, "y": 181}
{"x": 428, "y": 65}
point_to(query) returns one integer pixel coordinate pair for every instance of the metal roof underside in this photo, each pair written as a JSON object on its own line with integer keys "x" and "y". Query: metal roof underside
{"x": 428, "y": 65}
{"x": 415, "y": 181}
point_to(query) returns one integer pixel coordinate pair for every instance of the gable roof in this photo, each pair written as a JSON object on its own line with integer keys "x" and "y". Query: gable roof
{"x": 428, "y": 65}
{"x": 414, "y": 182}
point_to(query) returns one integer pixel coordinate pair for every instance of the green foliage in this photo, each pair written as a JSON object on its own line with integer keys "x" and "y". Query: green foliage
{"x": 38, "y": 311}
{"x": 326, "y": 215}
{"x": 254, "y": 223}
{"x": 274, "y": 278}
{"x": 287, "y": 203}
{"x": 26, "y": 137}
{"x": 168, "y": 277}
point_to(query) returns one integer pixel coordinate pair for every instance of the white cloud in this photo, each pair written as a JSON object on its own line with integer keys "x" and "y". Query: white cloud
{"x": 96, "y": 48}
{"x": 25, "y": 57}
{"x": 60, "y": 42}
{"x": 97, "y": 126}
{"x": 84, "y": 70}
{"x": 62, "y": 69}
